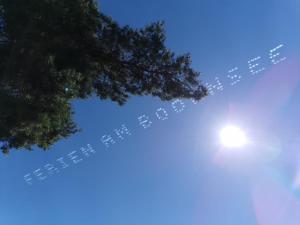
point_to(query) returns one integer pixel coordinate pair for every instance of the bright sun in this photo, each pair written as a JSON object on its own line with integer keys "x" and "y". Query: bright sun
{"x": 233, "y": 137}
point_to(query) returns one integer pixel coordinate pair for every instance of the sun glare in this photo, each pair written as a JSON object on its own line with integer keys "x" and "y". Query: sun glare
{"x": 233, "y": 137}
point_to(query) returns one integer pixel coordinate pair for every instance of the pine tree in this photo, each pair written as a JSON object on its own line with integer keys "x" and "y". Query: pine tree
{"x": 55, "y": 51}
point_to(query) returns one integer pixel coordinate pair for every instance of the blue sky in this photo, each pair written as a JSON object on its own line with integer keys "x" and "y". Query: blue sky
{"x": 175, "y": 172}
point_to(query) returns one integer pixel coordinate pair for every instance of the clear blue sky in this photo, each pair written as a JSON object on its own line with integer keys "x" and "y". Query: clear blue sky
{"x": 174, "y": 173}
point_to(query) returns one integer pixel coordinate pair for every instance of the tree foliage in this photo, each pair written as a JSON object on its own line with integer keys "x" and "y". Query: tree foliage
{"x": 54, "y": 51}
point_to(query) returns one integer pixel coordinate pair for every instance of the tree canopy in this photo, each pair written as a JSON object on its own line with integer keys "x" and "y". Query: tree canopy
{"x": 55, "y": 51}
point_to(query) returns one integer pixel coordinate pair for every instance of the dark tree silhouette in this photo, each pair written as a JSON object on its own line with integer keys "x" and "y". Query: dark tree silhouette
{"x": 54, "y": 51}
